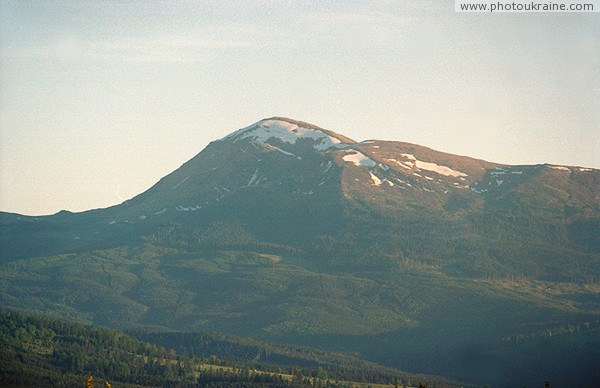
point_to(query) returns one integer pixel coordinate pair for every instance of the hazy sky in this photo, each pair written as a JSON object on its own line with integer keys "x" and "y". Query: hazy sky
{"x": 99, "y": 100}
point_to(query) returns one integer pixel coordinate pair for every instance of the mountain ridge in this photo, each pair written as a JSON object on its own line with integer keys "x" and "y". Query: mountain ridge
{"x": 286, "y": 166}
{"x": 348, "y": 143}
{"x": 412, "y": 257}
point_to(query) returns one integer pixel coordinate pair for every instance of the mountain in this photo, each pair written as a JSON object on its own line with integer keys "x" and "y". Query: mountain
{"x": 288, "y": 232}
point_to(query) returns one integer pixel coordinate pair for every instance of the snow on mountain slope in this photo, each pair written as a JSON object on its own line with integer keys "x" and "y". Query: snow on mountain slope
{"x": 293, "y": 160}
{"x": 409, "y": 162}
{"x": 280, "y": 160}
{"x": 287, "y": 131}
{"x": 280, "y": 170}
{"x": 359, "y": 159}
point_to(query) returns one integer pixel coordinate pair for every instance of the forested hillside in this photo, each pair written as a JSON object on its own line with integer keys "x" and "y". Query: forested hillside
{"x": 37, "y": 351}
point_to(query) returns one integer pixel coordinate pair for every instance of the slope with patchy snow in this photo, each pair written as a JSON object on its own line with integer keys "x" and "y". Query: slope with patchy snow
{"x": 286, "y": 131}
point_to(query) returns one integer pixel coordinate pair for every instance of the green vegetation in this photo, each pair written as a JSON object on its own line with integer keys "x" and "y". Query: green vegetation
{"x": 37, "y": 351}
{"x": 410, "y": 316}
{"x": 300, "y": 362}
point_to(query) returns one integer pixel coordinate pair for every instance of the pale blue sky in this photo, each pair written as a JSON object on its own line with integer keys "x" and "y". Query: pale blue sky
{"x": 99, "y": 100}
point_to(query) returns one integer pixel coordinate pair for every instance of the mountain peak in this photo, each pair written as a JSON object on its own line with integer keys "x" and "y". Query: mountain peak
{"x": 289, "y": 131}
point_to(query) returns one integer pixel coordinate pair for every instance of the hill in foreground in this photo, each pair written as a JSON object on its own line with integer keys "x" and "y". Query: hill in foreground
{"x": 37, "y": 351}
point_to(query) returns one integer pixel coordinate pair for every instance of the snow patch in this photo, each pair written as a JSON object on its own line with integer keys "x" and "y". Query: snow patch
{"x": 406, "y": 165}
{"x": 112, "y": 222}
{"x": 161, "y": 211}
{"x": 280, "y": 150}
{"x": 143, "y": 217}
{"x": 286, "y": 132}
{"x": 221, "y": 189}
{"x": 433, "y": 167}
{"x": 499, "y": 182}
{"x": 479, "y": 191}
{"x": 403, "y": 183}
{"x": 586, "y": 169}
{"x": 563, "y": 168}
{"x": 253, "y": 179}
{"x": 359, "y": 159}
{"x": 442, "y": 170}
{"x": 188, "y": 208}
{"x": 384, "y": 167}
{"x": 375, "y": 179}
{"x": 179, "y": 184}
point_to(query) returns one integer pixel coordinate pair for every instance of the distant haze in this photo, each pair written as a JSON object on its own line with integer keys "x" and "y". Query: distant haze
{"x": 99, "y": 100}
